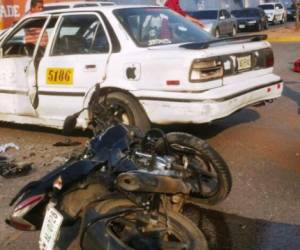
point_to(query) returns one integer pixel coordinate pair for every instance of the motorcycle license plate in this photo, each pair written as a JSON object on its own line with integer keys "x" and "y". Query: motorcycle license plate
{"x": 244, "y": 62}
{"x": 50, "y": 229}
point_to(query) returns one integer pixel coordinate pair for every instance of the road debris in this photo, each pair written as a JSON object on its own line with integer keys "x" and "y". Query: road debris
{"x": 7, "y": 146}
{"x": 9, "y": 169}
{"x": 66, "y": 143}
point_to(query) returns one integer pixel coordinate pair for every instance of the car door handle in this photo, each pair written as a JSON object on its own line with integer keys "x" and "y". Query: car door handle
{"x": 90, "y": 66}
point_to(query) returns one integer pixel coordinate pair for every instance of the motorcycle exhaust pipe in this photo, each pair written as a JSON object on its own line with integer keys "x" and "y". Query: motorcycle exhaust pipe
{"x": 146, "y": 182}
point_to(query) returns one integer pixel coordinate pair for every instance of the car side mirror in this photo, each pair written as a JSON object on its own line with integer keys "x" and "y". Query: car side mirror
{"x": 276, "y": 8}
{"x": 222, "y": 17}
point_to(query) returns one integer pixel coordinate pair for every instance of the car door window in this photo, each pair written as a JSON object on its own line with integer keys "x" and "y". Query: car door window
{"x": 22, "y": 42}
{"x": 221, "y": 15}
{"x": 226, "y": 14}
{"x": 45, "y": 37}
{"x": 80, "y": 34}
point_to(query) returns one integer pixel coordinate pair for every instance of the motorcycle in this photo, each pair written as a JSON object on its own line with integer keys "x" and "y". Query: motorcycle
{"x": 126, "y": 190}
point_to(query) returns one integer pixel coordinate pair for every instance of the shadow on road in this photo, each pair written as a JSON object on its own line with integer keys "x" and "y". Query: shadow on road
{"x": 206, "y": 131}
{"x": 293, "y": 95}
{"x": 40, "y": 129}
{"x": 227, "y": 231}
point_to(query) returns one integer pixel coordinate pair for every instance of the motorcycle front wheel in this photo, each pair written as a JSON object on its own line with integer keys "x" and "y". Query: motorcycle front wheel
{"x": 132, "y": 231}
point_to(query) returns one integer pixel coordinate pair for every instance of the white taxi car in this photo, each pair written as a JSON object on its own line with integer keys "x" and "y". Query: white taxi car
{"x": 157, "y": 67}
{"x": 275, "y": 11}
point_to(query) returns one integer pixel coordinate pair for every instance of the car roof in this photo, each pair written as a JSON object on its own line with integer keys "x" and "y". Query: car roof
{"x": 108, "y": 8}
{"x": 250, "y": 8}
{"x": 271, "y": 3}
{"x": 78, "y": 2}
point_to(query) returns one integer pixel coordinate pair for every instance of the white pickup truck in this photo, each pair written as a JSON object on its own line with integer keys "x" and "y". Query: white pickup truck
{"x": 157, "y": 67}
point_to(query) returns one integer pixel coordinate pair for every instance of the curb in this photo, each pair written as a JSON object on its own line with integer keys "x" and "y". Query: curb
{"x": 285, "y": 39}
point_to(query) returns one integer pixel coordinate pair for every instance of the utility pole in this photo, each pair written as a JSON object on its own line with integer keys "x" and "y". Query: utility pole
{"x": 297, "y": 7}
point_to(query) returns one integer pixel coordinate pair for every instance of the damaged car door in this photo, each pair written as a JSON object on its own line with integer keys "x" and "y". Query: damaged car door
{"x": 74, "y": 64}
{"x": 17, "y": 69}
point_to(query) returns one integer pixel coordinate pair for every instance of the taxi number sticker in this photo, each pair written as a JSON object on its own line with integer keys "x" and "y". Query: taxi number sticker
{"x": 59, "y": 76}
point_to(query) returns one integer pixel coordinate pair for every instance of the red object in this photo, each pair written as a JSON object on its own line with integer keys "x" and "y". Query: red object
{"x": 174, "y": 5}
{"x": 297, "y": 65}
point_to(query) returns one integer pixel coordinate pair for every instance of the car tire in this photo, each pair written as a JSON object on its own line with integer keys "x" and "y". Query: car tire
{"x": 259, "y": 26}
{"x": 266, "y": 26}
{"x": 217, "y": 33}
{"x": 234, "y": 31}
{"x": 282, "y": 20}
{"x": 128, "y": 110}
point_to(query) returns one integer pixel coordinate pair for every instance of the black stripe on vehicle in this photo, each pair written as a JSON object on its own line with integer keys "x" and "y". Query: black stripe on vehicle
{"x": 52, "y": 93}
{"x": 144, "y": 98}
{"x": 15, "y": 92}
{"x": 56, "y": 93}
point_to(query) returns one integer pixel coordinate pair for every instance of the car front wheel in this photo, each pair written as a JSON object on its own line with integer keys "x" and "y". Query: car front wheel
{"x": 234, "y": 31}
{"x": 217, "y": 33}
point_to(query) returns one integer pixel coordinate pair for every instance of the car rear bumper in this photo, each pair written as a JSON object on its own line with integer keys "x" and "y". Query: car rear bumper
{"x": 195, "y": 108}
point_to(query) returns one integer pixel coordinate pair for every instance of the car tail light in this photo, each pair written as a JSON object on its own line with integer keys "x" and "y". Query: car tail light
{"x": 22, "y": 210}
{"x": 20, "y": 224}
{"x": 269, "y": 58}
{"x": 29, "y": 203}
{"x": 206, "y": 69}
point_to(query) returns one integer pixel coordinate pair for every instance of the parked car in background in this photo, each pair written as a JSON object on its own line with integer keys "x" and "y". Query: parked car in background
{"x": 153, "y": 65}
{"x": 251, "y": 19}
{"x": 75, "y": 4}
{"x": 217, "y": 22}
{"x": 291, "y": 12}
{"x": 276, "y": 12}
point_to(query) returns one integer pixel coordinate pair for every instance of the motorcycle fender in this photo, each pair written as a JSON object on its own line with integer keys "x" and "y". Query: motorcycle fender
{"x": 70, "y": 173}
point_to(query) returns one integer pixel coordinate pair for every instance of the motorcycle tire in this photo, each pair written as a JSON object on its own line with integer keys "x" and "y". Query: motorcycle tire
{"x": 126, "y": 230}
{"x": 206, "y": 167}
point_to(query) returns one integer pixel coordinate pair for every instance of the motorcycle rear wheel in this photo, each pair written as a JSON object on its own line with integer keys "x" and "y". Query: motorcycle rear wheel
{"x": 206, "y": 168}
{"x": 176, "y": 232}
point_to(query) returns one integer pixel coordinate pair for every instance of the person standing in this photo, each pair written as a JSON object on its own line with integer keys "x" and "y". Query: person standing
{"x": 32, "y": 34}
{"x": 36, "y": 6}
{"x": 175, "y": 6}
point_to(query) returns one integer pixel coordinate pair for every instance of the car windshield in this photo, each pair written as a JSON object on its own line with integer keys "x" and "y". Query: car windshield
{"x": 151, "y": 26}
{"x": 267, "y": 6}
{"x": 205, "y": 14}
{"x": 245, "y": 13}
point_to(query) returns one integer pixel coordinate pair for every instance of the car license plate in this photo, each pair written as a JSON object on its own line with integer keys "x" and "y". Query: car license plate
{"x": 242, "y": 26}
{"x": 244, "y": 62}
{"x": 50, "y": 229}
{"x": 60, "y": 76}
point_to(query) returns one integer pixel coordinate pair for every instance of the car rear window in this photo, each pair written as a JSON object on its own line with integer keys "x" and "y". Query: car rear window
{"x": 209, "y": 15}
{"x": 152, "y": 26}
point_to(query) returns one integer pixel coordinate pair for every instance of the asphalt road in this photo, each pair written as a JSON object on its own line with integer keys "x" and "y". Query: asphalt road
{"x": 260, "y": 144}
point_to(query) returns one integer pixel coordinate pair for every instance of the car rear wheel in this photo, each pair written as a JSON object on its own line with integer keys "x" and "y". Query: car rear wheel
{"x": 125, "y": 109}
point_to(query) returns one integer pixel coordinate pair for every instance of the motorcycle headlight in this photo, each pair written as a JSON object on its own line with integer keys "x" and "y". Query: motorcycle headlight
{"x": 206, "y": 69}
